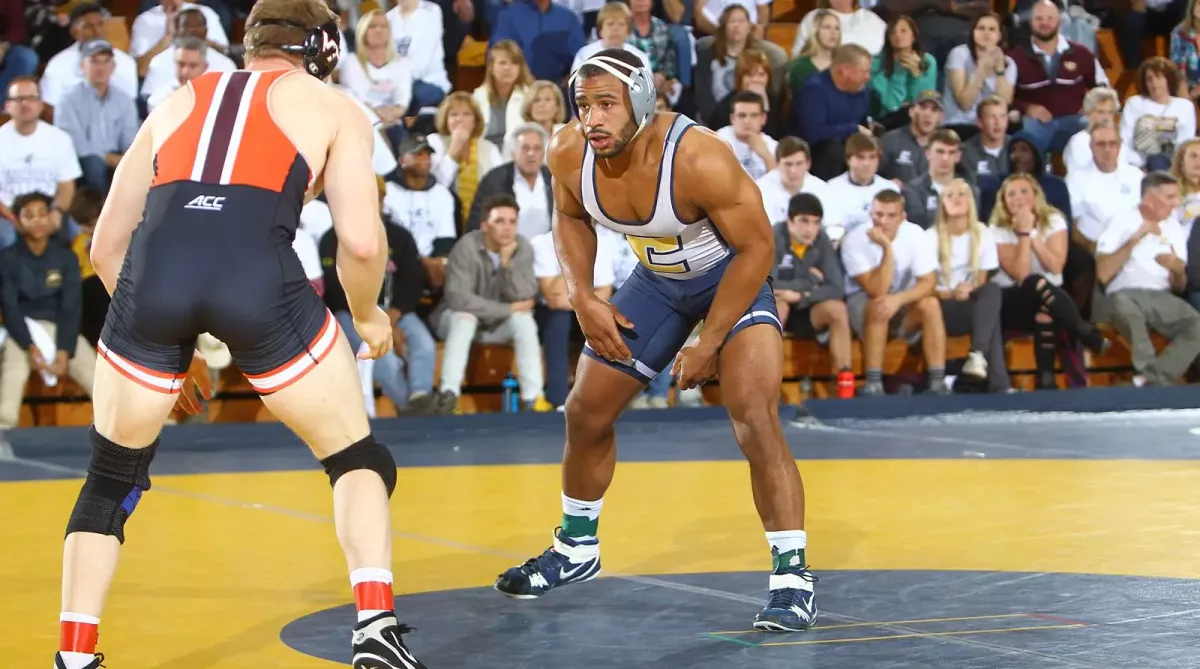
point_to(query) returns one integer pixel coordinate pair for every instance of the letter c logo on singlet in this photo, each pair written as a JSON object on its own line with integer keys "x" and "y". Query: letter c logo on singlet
{"x": 206, "y": 203}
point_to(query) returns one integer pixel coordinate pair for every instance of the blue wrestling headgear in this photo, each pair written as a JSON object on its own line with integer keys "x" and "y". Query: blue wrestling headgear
{"x": 639, "y": 80}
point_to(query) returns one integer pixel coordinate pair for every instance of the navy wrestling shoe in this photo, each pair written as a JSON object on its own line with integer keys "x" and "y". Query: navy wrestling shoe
{"x": 566, "y": 561}
{"x": 95, "y": 664}
{"x": 378, "y": 643}
{"x": 791, "y": 606}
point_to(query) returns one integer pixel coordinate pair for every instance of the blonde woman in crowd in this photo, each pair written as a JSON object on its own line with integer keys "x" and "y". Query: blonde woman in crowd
{"x": 376, "y": 74}
{"x": 966, "y": 254}
{"x": 502, "y": 94}
{"x": 1031, "y": 245}
{"x": 461, "y": 156}
{"x": 860, "y": 25}
{"x": 545, "y": 106}
{"x": 817, "y": 53}
{"x": 1186, "y": 168}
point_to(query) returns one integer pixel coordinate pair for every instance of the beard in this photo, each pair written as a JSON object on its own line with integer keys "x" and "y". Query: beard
{"x": 620, "y": 141}
{"x": 1047, "y": 36}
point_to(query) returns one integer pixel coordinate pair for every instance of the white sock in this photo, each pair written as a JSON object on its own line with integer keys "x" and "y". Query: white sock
{"x": 581, "y": 509}
{"x": 370, "y": 575}
{"x": 788, "y": 540}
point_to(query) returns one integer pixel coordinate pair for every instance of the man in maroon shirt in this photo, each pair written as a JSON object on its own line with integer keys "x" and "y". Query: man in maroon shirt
{"x": 16, "y": 60}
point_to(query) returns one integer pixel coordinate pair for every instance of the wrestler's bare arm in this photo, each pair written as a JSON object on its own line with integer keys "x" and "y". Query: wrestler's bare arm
{"x": 574, "y": 236}
{"x": 350, "y": 188}
{"x": 719, "y": 186}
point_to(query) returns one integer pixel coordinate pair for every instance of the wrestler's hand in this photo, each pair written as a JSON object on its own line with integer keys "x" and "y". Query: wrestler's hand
{"x": 376, "y": 333}
{"x": 197, "y": 386}
{"x": 599, "y": 320}
{"x": 695, "y": 365}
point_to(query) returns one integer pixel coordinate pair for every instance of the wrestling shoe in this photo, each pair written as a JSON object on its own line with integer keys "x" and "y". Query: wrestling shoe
{"x": 791, "y": 607}
{"x": 378, "y": 644}
{"x": 566, "y": 561}
{"x": 95, "y": 664}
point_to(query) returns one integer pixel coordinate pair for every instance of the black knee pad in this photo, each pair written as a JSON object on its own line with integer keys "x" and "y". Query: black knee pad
{"x": 117, "y": 477}
{"x": 365, "y": 454}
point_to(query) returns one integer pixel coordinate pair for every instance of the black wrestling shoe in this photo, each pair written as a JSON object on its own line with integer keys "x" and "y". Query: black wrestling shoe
{"x": 378, "y": 644}
{"x": 95, "y": 664}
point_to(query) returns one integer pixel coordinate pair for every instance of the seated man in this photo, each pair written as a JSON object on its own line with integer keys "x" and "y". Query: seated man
{"x": 809, "y": 285}
{"x": 490, "y": 286}
{"x": 904, "y": 149}
{"x": 101, "y": 119}
{"x": 832, "y": 107}
{"x": 853, "y": 191}
{"x": 754, "y": 149}
{"x": 42, "y": 309}
{"x": 411, "y": 389}
{"x": 1141, "y": 259}
{"x": 942, "y": 160}
{"x": 554, "y": 314}
{"x": 892, "y": 290}
{"x": 790, "y": 178}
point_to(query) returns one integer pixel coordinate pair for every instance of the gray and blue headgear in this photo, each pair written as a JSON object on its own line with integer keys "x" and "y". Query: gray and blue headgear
{"x": 639, "y": 80}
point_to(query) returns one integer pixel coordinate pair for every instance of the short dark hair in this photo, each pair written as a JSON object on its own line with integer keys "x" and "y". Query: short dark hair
{"x": 888, "y": 196}
{"x": 87, "y": 205}
{"x": 805, "y": 204}
{"x": 83, "y": 9}
{"x": 1152, "y": 180}
{"x": 499, "y": 201}
{"x": 790, "y": 145}
{"x": 747, "y": 97}
{"x": 22, "y": 201}
{"x": 588, "y": 70}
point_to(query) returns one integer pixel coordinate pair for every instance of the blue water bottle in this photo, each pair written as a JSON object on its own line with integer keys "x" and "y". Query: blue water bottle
{"x": 510, "y": 386}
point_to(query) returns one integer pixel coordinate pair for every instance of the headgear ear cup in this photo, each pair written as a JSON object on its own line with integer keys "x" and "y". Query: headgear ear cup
{"x": 321, "y": 49}
{"x": 643, "y": 96}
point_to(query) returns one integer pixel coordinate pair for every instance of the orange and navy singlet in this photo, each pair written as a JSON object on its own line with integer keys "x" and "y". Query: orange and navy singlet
{"x": 213, "y": 252}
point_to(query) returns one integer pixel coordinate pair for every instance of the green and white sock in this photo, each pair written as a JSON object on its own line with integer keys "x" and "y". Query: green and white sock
{"x": 787, "y": 549}
{"x": 581, "y": 518}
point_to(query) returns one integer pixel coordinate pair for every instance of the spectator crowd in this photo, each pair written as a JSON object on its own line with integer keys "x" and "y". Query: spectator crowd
{"x": 931, "y": 169}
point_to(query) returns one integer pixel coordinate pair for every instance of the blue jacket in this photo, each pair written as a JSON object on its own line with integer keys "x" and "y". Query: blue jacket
{"x": 822, "y": 112}
{"x": 549, "y": 40}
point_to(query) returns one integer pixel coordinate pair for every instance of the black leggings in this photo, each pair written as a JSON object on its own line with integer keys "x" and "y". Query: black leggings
{"x": 1039, "y": 306}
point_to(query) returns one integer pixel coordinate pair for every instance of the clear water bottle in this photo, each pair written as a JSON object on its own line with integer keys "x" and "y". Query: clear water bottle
{"x": 511, "y": 394}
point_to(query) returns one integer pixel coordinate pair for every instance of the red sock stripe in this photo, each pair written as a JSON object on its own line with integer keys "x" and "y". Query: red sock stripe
{"x": 373, "y": 596}
{"x": 77, "y": 637}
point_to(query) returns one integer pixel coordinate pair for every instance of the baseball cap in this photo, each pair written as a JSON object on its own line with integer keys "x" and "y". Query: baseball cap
{"x": 92, "y": 47}
{"x": 930, "y": 96}
{"x": 414, "y": 143}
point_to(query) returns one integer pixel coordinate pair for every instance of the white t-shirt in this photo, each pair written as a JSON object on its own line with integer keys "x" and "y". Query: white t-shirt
{"x": 1176, "y": 122}
{"x": 624, "y": 260}
{"x": 151, "y": 25}
{"x": 776, "y": 198}
{"x": 960, "y": 256}
{"x": 310, "y": 258}
{"x": 427, "y": 214}
{"x": 912, "y": 256}
{"x": 753, "y": 163}
{"x": 38, "y": 161}
{"x": 1077, "y": 156}
{"x": 545, "y": 260}
{"x": 391, "y": 84}
{"x": 1142, "y": 270}
{"x": 854, "y": 201}
{"x": 162, "y": 74}
{"x": 862, "y": 27}
{"x": 418, "y": 39}
{"x": 960, "y": 58}
{"x": 714, "y": 8}
{"x": 1188, "y": 212}
{"x": 1057, "y": 224}
{"x": 1095, "y": 195}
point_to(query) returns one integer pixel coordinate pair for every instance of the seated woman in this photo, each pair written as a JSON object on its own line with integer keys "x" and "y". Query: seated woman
{"x": 716, "y": 59}
{"x": 545, "y": 106}
{"x": 966, "y": 254}
{"x": 900, "y": 72}
{"x": 461, "y": 156}
{"x": 975, "y": 71}
{"x": 501, "y": 96}
{"x": 1155, "y": 120}
{"x": 1186, "y": 168}
{"x": 1031, "y": 245}
{"x": 752, "y": 73}
{"x": 860, "y": 25}
{"x": 817, "y": 53}
{"x": 1185, "y": 50}
{"x": 377, "y": 75}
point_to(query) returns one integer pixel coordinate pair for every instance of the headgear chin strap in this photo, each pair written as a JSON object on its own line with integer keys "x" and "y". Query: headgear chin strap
{"x": 321, "y": 49}
{"x": 640, "y": 81}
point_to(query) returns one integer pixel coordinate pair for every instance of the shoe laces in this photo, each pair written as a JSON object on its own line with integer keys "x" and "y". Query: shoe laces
{"x": 783, "y": 597}
{"x": 540, "y": 563}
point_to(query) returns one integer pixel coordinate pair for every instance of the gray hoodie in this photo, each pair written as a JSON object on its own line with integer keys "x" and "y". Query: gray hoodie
{"x": 792, "y": 273}
{"x": 477, "y": 285}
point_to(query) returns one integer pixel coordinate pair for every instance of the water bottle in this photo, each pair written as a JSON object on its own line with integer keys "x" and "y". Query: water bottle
{"x": 511, "y": 395}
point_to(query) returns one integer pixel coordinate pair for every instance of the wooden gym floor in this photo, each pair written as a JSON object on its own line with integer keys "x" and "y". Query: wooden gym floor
{"x": 987, "y": 541}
